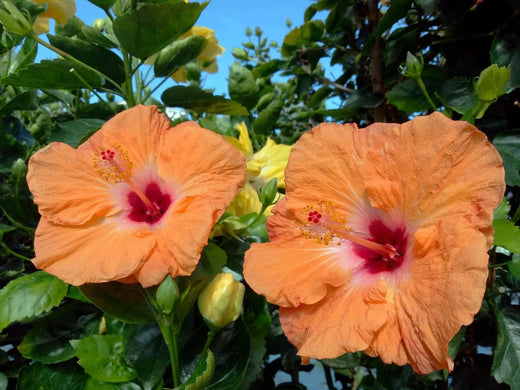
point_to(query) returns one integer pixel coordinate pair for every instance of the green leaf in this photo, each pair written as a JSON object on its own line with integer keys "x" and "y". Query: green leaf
{"x": 267, "y": 68}
{"x": 365, "y": 99}
{"x": 105, "y": 4}
{"x": 56, "y": 74}
{"x": 231, "y": 348}
{"x": 266, "y": 120}
{"x": 25, "y": 55}
{"x": 505, "y": 50}
{"x": 508, "y": 145}
{"x": 93, "y": 35}
{"x": 514, "y": 266}
{"x": 148, "y": 354}
{"x": 506, "y": 362}
{"x": 3, "y": 381}
{"x": 126, "y": 302}
{"x": 196, "y": 99}
{"x": 102, "y": 357}
{"x": 408, "y": 97}
{"x": 459, "y": 95}
{"x": 92, "y": 384}
{"x": 177, "y": 54}
{"x": 23, "y": 101}
{"x": 30, "y": 295}
{"x": 37, "y": 376}
{"x": 74, "y": 132}
{"x": 98, "y": 57}
{"x": 242, "y": 86}
{"x": 150, "y": 28}
{"x": 305, "y": 35}
{"x": 202, "y": 374}
{"x": 507, "y": 235}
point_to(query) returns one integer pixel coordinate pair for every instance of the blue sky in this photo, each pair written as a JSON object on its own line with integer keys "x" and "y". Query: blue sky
{"x": 229, "y": 19}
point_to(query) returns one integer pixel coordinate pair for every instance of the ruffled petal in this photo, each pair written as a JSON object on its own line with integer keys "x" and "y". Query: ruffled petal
{"x": 324, "y": 166}
{"x": 202, "y": 164}
{"x": 180, "y": 240}
{"x": 59, "y": 10}
{"x": 269, "y": 163}
{"x": 432, "y": 167}
{"x": 139, "y": 131}
{"x": 80, "y": 255}
{"x": 65, "y": 186}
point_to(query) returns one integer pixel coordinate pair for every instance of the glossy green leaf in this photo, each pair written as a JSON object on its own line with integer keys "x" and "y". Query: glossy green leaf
{"x": 151, "y": 27}
{"x": 95, "y": 36}
{"x": 148, "y": 354}
{"x": 506, "y": 362}
{"x": 459, "y": 95}
{"x": 307, "y": 34}
{"x": 73, "y": 132}
{"x": 508, "y": 144}
{"x": 30, "y": 295}
{"x": 505, "y": 50}
{"x": 507, "y": 235}
{"x": 177, "y": 54}
{"x": 196, "y": 99}
{"x": 103, "y": 60}
{"x": 105, "y": 4}
{"x": 364, "y": 99}
{"x": 102, "y": 357}
{"x": 242, "y": 86}
{"x": 407, "y": 96}
{"x": 514, "y": 266}
{"x": 23, "y": 101}
{"x": 53, "y": 74}
{"x": 24, "y": 56}
{"x": 92, "y": 384}
{"x": 37, "y": 376}
{"x": 202, "y": 374}
{"x": 231, "y": 348}
{"x": 126, "y": 302}
{"x": 266, "y": 120}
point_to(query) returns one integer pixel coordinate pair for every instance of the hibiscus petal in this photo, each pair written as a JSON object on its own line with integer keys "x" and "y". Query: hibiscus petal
{"x": 65, "y": 186}
{"x": 202, "y": 163}
{"x": 80, "y": 255}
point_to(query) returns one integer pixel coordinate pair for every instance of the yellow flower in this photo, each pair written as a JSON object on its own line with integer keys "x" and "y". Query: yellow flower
{"x": 59, "y": 10}
{"x": 263, "y": 166}
{"x": 206, "y": 58}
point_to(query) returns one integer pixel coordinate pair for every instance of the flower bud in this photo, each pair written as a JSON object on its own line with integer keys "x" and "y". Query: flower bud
{"x": 492, "y": 82}
{"x": 267, "y": 194}
{"x": 19, "y": 170}
{"x": 413, "y": 66}
{"x": 221, "y": 301}
{"x": 167, "y": 295}
{"x": 99, "y": 24}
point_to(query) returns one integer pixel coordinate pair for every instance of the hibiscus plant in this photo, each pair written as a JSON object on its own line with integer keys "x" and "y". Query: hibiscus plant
{"x": 347, "y": 216}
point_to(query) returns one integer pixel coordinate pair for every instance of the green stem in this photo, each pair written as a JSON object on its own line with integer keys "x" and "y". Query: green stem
{"x": 170, "y": 333}
{"x": 76, "y": 73}
{"x": 11, "y": 252}
{"x": 425, "y": 92}
{"x": 130, "y": 100}
{"x": 33, "y": 35}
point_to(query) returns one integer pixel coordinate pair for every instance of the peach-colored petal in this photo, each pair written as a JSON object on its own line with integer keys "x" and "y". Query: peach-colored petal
{"x": 66, "y": 188}
{"x": 202, "y": 163}
{"x": 139, "y": 131}
{"x": 94, "y": 253}
{"x": 180, "y": 241}
{"x": 323, "y": 158}
{"x": 59, "y": 10}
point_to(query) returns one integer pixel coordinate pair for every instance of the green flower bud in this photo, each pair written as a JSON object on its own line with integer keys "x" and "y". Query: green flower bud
{"x": 167, "y": 295}
{"x": 221, "y": 301}
{"x": 267, "y": 194}
{"x": 492, "y": 82}
{"x": 258, "y": 31}
{"x": 413, "y": 66}
{"x": 240, "y": 54}
{"x": 99, "y": 24}
{"x": 19, "y": 170}
{"x": 248, "y": 32}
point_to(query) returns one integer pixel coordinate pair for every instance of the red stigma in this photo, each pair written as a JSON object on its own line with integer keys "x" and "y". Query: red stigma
{"x": 314, "y": 216}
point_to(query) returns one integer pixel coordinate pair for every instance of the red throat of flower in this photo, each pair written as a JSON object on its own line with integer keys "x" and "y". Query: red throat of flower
{"x": 147, "y": 205}
{"x": 383, "y": 249}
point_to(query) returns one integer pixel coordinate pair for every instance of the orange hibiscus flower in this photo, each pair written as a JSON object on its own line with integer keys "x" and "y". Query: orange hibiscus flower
{"x": 135, "y": 202}
{"x": 380, "y": 244}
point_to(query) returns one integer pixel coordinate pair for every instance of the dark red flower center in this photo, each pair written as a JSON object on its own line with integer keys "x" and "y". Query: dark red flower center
{"x": 396, "y": 238}
{"x": 151, "y": 211}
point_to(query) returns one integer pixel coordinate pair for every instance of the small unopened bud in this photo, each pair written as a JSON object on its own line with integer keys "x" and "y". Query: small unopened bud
{"x": 167, "y": 295}
{"x": 240, "y": 54}
{"x": 19, "y": 170}
{"x": 267, "y": 194}
{"x": 413, "y": 66}
{"x": 248, "y": 32}
{"x": 258, "y": 31}
{"x": 221, "y": 301}
{"x": 99, "y": 24}
{"x": 492, "y": 82}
